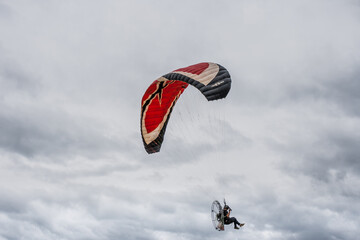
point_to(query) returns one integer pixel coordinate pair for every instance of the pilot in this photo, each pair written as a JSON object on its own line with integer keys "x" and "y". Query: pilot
{"x": 228, "y": 220}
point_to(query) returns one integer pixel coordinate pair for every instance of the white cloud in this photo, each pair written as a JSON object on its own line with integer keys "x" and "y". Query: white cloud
{"x": 282, "y": 148}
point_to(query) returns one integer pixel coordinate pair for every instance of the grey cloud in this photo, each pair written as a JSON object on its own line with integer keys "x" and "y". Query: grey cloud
{"x": 330, "y": 165}
{"x": 11, "y": 203}
{"x": 344, "y": 92}
{"x": 12, "y": 78}
{"x": 46, "y": 135}
{"x": 339, "y": 90}
{"x": 48, "y": 216}
{"x": 333, "y": 154}
{"x": 4, "y": 10}
{"x": 16, "y": 82}
{"x": 72, "y": 160}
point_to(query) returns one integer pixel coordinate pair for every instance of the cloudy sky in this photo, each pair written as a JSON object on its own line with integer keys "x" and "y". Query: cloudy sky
{"x": 282, "y": 148}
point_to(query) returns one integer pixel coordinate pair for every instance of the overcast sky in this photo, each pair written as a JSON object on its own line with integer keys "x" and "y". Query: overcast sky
{"x": 282, "y": 148}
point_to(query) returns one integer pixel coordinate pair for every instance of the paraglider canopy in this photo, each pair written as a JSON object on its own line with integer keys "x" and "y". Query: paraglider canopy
{"x": 211, "y": 79}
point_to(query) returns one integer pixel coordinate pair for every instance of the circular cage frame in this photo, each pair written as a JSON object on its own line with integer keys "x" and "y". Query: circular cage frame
{"x": 217, "y": 215}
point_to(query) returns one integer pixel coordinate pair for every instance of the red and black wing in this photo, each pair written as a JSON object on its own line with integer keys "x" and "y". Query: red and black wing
{"x": 211, "y": 79}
